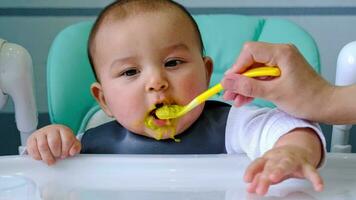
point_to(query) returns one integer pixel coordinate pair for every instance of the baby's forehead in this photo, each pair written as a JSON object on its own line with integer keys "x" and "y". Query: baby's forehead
{"x": 121, "y": 12}
{"x": 174, "y": 16}
{"x": 132, "y": 37}
{"x": 163, "y": 21}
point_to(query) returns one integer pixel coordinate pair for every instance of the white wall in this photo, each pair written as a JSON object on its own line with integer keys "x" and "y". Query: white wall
{"x": 332, "y": 23}
{"x": 331, "y": 34}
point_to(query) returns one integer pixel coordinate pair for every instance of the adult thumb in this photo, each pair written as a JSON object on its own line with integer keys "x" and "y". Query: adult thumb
{"x": 245, "y": 86}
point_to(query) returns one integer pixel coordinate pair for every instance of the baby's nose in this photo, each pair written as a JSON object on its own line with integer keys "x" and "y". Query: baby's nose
{"x": 158, "y": 86}
{"x": 157, "y": 80}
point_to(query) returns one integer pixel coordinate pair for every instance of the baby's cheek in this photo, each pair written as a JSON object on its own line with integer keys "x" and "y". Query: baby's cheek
{"x": 186, "y": 121}
{"x": 191, "y": 91}
{"x": 130, "y": 122}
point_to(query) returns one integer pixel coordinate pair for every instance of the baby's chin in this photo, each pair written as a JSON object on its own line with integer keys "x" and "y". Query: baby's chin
{"x": 174, "y": 127}
{"x": 165, "y": 129}
{"x": 166, "y": 132}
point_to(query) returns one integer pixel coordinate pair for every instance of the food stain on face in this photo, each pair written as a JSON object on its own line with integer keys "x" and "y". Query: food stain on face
{"x": 161, "y": 127}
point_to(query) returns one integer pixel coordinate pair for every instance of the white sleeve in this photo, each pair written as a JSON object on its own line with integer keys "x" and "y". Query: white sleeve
{"x": 254, "y": 131}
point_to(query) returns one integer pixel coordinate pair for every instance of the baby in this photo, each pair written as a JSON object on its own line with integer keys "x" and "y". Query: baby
{"x": 146, "y": 54}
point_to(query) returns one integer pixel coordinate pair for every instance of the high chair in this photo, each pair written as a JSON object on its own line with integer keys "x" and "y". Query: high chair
{"x": 345, "y": 75}
{"x": 69, "y": 75}
{"x": 16, "y": 81}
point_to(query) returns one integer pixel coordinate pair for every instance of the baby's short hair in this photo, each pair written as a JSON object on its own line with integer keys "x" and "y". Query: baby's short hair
{"x": 121, "y": 9}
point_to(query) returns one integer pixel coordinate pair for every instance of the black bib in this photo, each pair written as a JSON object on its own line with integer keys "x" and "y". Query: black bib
{"x": 205, "y": 136}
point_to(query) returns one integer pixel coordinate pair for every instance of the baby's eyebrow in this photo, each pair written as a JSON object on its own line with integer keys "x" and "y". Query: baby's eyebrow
{"x": 122, "y": 60}
{"x": 178, "y": 46}
{"x": 170, "y": 48}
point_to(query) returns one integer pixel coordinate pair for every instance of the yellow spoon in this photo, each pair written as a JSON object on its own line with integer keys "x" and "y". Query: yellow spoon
{"x": 175, "y": 111}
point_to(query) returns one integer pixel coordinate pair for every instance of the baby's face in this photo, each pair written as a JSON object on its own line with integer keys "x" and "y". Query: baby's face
{"x": 145, "y": 61}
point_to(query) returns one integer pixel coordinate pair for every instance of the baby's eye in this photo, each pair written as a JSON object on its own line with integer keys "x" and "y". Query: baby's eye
{"x": 173, "y": 63}
{"x": 130, "y": 72}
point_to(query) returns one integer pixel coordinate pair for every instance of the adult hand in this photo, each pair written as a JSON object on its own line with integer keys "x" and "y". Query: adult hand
{"x": 299, "y": 90}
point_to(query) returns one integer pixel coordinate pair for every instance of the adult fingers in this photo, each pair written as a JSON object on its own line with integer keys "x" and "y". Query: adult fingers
{"x": 229, "y": 96}
{"x": 254, "y": 52}
{"x": 242, "y": 100}
{"x": 248, "y": 87}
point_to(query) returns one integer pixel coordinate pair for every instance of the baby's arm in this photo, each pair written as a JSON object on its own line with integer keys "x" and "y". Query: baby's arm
{"x": 52, "y": 142}
{"x": 294, "y": 147}
{"x": 295, "y": 155}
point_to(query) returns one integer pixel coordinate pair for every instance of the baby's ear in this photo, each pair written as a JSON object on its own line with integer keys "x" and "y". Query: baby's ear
{"x": 208, "y": 62}
{"x": 98, "y": 94}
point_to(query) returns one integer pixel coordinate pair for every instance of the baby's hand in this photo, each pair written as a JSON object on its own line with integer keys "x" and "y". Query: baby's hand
{"x": 51, "y": 143}
{"x": 279, "y": 164}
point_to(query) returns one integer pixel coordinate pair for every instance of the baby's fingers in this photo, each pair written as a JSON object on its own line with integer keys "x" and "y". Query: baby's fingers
{"x": 264, "y": 179}
{"x": 254, "y": 168}
{"x": 68, "y": 140}
{"x": 75, "y": 148}
{"x": 284, "y": 169}
{"x": 313, "y": 176}
{"x": 32, "y": 148}
{"x": 259, "y": 185}
{"x": 54, "y": 143}
{"x": 252, "y": 186}
{"x": 263, "y": 184}
{"x": 44, "y": 149}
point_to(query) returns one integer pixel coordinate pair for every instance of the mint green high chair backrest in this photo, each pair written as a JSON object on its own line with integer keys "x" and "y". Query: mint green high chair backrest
{"x": 69, "y": 75}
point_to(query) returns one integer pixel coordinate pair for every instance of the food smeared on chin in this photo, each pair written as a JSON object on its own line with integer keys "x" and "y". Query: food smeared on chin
{"x": 160, "y": 126}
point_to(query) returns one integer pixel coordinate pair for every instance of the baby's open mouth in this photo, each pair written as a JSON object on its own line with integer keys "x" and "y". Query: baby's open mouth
{"x": 153, "y": 112}
{"x": 157, "y": 121}
{"x": 161, "y": 127}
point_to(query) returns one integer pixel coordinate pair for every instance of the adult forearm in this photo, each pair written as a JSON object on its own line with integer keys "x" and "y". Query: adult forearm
{"x": 342, "y": 106}
{"x": 327, "y": 103}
